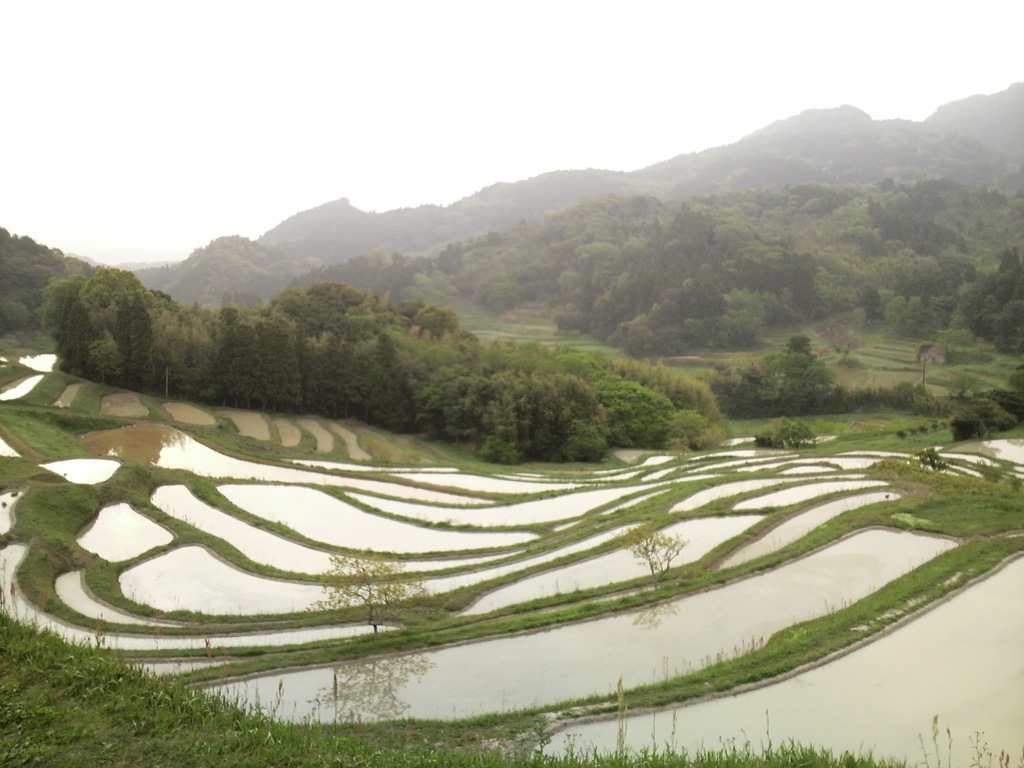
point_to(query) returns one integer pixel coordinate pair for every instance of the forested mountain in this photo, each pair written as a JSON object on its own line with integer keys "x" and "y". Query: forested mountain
{"x": 977, "y": 141}
{"x": 234, "y": 269}
{"x": 25, "y": 269}
{"x": 840, "y": 146}
{"x": 669, "y": 277}
{"x": 230, "y": 270}
{"x": 996, "y": 119}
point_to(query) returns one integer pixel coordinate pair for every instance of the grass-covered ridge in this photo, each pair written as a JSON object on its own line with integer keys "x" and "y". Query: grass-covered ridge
{"x": 68, "y": 706}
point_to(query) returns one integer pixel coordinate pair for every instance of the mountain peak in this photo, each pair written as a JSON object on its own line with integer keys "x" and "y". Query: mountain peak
{"x": 842, "y": 118}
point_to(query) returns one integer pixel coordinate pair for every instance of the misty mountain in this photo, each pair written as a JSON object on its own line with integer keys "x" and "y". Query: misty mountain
{"x": 977, "y": 141}
{"x": 230, "y": 270}
{"x": 996, "y": 120}
{"x": 337, "y": 231}
{"x": 842, "y": 146}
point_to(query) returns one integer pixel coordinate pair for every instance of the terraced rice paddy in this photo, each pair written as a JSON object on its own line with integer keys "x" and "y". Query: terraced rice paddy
{"x": 878, "y": 699}
{"x": 228, "y": 556}
{"x": 21, "y": 388}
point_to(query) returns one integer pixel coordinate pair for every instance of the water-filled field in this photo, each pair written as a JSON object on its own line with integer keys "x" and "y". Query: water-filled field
{"x": 226, "y": 552}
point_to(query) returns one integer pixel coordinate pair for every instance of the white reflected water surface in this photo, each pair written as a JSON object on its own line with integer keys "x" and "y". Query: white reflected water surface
{"x": 588, "y": 658}
{"x": 963, "y": 661}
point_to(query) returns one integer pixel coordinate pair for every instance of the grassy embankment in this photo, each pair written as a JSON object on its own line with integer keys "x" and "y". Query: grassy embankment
{"x": 67, "y": 706}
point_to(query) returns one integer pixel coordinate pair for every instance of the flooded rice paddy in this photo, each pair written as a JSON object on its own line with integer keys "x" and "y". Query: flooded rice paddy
{"x": 43, "y": 363}
{"x": 701, "y": 536}
{"x": 806, "y": 492}
{"x": 8, "y": 500}
{"x": 71, "y": 589}
{"x": 194, "y": 578}
{"x": 120, "y": 533}
{"x": 546, "y": 510}
{"x": 168, "y": 448}
{"x": 962, "y": 661}
{"x": 461, "y": 529}
{"x": 84, "y": 471}
{"x": 800, "y": 525}
{"x": 566, "y": 662}
{"x": 28, "y": 612}
{"x": 21, "y": 388}
{"x": 324, "y": 518}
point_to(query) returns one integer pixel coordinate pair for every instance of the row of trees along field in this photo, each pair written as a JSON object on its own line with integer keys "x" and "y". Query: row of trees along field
{"x": 332, "y": 350}
{"x": 661, "y": 277}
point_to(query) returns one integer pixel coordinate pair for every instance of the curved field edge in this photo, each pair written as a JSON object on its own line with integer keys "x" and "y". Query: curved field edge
{"x": 65, "y": 706}
{"x": 977, "y": 512}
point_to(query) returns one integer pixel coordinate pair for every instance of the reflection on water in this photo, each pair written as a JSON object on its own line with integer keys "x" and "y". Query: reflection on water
{"x": 587, "y": 658}
{"x": 143, "y": 443}
{"x": 71, "y": 589}
{"x": 7, "y": 502}
{"x": 324, "y": 518}
{"x": 701, "y": 536}
{"x": 41, "y": 363}
{"x": 16, "y": 606}
{"x": 1010, "y": 450}
{"x": 799, "y": 525}
{"x": 83, "y": 471}
{"x": 171, "y": 449}
{"x": 120, "y": 533}
{"x": 807, "y": 492}
{"x": 22, "y": 388}
{"x": 368, "y": 691}
{"x": 963, "y": 660}
{"x": 651, "y": 618}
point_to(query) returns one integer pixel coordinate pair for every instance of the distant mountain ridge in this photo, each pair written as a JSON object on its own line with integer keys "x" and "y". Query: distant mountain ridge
{"x": 996, "y": 119}
{"x": 978, "y": 141}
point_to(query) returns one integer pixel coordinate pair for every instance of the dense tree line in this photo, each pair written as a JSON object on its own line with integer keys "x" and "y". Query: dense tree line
{"x": 338, "y": 352}
{"x": 668, "y": 278}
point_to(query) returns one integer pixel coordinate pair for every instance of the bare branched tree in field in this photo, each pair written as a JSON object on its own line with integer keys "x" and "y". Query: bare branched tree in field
{"x": 378, "y": 585}
{"x": 654, "y": 547}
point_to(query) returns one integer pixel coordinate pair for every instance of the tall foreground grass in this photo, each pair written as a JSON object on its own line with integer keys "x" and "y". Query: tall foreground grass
{"x": 64, "y": 706}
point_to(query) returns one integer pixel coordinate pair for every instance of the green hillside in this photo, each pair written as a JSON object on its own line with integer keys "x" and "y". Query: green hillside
{"x": 839, "y": 151}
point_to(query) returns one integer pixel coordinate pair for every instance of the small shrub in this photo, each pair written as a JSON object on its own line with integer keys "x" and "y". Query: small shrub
{"x": 930, "y": 458}
{"x": 980, "y": 419}
{"x": 788, "y": 433}
{"x": 498, "y": 451}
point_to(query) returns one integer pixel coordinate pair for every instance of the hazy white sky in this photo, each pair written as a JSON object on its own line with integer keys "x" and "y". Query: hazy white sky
{"x": 135, "y": 129}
